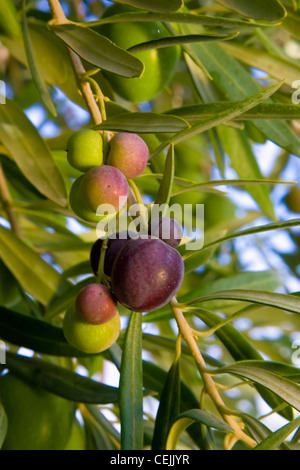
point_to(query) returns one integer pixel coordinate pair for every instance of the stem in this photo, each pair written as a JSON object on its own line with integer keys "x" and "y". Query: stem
{"x": 85, "y": 87}
{"x": 7, "y": 205}
{"x": 210, "y": 386}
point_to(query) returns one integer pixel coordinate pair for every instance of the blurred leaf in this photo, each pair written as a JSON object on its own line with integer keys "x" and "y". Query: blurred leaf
{"x": 235, "y": 83}
{"x": 3, "y": 425}
{"x": 9, "y": 19}
{"x": 60, "y": 380}
{"x": 273, "y": 441}
{"x": 284, "y": 388}
{"x": 153, "y": 5}
{"x": 131, "y": 386}
{"x": 245, "y": 164}
{"x": 186, "y": 418}
{"x": 35, "y": 275}
{"x": 169, "y": 406}
{"x": 165, "y": 189}
{"x": 192, "y": 113}
{"x": 178, "y": 40}
{"x": 287, "y": 302}
{"x": 275, "y": 66}
{"x": 35, "y": 334}
{"x": 235, "y": 109}
{"x": 143, "y": 122}
{"x": 194, "y": 259}
{"x": 269, "y": 10}
{"x": 178, "y": 17}
{"x": 98, "y": 50}
{"x": 30, "y": 153}
{"x": 34, "y": 67}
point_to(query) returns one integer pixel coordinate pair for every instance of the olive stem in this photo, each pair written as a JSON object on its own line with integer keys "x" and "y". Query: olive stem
{"x": 84, "y": 86}
{"x": 209, "y": 384}
{"x": 7, "y": 205}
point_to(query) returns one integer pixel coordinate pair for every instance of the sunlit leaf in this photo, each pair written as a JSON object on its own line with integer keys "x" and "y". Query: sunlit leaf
{"x": 269, "y": 10}
{"x": 154, "y": 5}
{"x": 187, "y": 418}
{"x": 60, "y": 380}
{"x": 31, "y": 153}
{"x": 98, "y": 50}
{"x": 131, "y": 386}
{"x": 143, "y": 122}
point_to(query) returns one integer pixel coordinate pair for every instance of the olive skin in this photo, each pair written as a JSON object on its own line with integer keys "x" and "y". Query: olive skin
{"x": 146, "y": 274}
{"x": 102, "y": 186}
{"x": 96, "y": 304}
{"x": 129, "y": 153}
{"x": 85, "y": 149}
{"x": 167, "y": 229}
{"x": 87, "y": 337}
{"x": 114, "y": 244}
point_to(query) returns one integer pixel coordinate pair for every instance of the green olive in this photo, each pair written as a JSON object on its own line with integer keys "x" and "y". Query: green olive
{"x": 37, "y": 419}
{"x": 160, "y": 64}
{"x": 85, "y": 149}
{"x": 87, "y": 337}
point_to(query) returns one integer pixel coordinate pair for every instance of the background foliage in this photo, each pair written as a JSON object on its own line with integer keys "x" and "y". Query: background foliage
{"x": 229, "y": 123}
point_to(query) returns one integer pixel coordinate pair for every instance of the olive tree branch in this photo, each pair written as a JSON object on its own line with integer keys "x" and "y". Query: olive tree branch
{"x": 84, "y": 85}
{"x": 210, "y": 387}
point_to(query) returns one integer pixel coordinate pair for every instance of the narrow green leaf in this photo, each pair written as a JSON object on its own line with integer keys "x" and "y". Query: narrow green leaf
{"x": 35, "y": 275}
{"x": 292, "y": 21}
{"x": 153, "y": 5}
{"x": 193, "y": 113}
{"x": 131, "y": 386}
{"x": 60, "y": 380}
{"x": 37, "y": 335}
{"x": 31, "y": 153}
{"x": 186, "y": 418}
{"x": 269, "y": 10}
{"x": 207, "y": 186}
{"x": 194, "y": 259}
{"x": 284, "y": 388}
{"x": 98, "y": 50}
{"x": 169, "y": 406}
{"x": 287, "y": 302}
{"x": 273, "y": 441}
{"x": 34, "y": 67}
{"x": 3, "y": 425}
{"x": 143, "y": 122}
{"x": 178, "y": 40}
{"x": 235, "y": 83}
{"x": 224, "y": 116}
{"x": 274, "y": 65}
{"x": 241, "y": 349}
{"x": 9, "y": 19}
{"x": 245, "y": 164}
{"x": 178, "y": 17}
{"x": 165, "y": 189}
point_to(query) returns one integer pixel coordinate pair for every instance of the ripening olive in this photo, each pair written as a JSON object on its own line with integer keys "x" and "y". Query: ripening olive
{"x": 96, "y": 304}
{"x": 129, "y": 153}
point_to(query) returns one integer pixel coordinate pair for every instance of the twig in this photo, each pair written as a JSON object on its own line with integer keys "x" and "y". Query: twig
{"x": 209, "y": 384}
{"x": 85, "y": 87}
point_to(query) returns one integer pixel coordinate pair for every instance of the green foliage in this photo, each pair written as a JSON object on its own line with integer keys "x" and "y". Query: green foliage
{"x": 225, "y": 351}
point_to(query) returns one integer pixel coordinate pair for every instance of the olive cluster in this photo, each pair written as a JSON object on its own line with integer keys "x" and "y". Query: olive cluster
{"x": 103, "y": 188}
{"x": 141, "y": 272}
